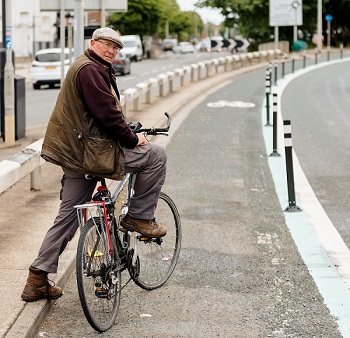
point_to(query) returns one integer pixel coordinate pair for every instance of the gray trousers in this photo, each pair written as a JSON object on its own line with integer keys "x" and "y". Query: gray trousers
{"x": 149, "y": 161}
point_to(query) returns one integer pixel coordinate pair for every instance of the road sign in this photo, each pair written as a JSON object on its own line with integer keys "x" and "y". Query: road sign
{"x": 89, "y": 5}
{"x": 229, "y": 44}
{"x": 242, "y": 44}
{"x": 329, "y": 17}
{"x": 216, "y": 44}
{"x": 286, "y": 13}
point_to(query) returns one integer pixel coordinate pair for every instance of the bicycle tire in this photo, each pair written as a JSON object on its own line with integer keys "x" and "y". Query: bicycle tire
{"x": 156, "y": 261}
{"x": 99, "y": 289}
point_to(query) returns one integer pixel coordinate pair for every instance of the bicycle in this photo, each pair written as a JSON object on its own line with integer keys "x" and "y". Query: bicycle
{"x": 105, "y": 250}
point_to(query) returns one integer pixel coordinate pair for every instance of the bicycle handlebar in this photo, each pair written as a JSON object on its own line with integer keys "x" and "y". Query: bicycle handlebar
{"x": 137, "y": 128}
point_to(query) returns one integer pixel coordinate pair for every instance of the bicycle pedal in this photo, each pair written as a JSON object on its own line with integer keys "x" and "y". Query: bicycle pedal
{"x": 144, "y": 238}
{"x": 157, "y": 240}
{"x": 101, "y": 293}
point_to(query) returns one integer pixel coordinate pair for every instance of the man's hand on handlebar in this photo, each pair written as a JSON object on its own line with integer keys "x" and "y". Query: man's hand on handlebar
{"x": 143, "y": 132}
{"x": 142, "y": 139}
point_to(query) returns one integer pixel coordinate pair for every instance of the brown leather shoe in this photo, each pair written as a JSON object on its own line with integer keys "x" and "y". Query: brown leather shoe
{"x": 145, "y": 227}
{"x": 39, "y": 287}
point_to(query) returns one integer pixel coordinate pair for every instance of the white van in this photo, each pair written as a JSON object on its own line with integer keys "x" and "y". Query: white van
{"x": 132, "y": 47}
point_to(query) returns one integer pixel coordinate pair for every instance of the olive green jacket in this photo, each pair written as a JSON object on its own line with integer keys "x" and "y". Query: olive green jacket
{"x": 73, "y": 139}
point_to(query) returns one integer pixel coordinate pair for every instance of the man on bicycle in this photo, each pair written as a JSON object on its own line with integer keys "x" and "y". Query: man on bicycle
{"x": 87, "y": 136}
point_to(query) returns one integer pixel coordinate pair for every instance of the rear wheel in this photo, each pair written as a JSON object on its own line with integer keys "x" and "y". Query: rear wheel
{"x": 157, "y": 257}
{"x": 98, "y": 282}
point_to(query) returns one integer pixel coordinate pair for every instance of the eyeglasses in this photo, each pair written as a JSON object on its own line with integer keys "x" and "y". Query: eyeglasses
{"x": 109, "y": 46}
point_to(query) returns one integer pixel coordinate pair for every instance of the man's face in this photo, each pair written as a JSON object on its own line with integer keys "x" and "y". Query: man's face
{"x": 106, "y": 49}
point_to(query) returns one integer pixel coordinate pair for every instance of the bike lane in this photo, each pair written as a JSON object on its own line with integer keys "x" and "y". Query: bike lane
{"x": 323, "y": 248}
{"x": 240, "y": 273}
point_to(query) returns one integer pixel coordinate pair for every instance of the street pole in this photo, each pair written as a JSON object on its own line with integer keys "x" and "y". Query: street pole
{"x": 276, "y": 37}
{"x": 103, "y": 13}
{"x": 3, "y": 22}
{"x": 78, "y": 28}
{"x": 9, "y": 87}
{"x": 62, "y": 37}
{"x": 295, "y": 6}
{"x": 319, "y": 25}
{"x": 328, "y": 35}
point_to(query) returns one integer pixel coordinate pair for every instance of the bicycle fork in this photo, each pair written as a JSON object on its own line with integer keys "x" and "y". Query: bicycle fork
{"x": 130, "y": 193}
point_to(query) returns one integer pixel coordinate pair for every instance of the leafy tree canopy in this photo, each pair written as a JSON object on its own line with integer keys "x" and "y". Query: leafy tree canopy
{"x": 251, "y": 18}
{"x": 150, "y": 17}
{"x": 143, "y": 17}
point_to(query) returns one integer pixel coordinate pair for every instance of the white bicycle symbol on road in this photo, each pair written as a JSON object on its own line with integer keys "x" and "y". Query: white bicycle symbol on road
{"x": 235, "y": 104}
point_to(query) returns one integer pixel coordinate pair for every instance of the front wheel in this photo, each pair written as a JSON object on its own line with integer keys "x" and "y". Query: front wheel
{"x": 99, "y": 283}
{"x": 157, "y": 257}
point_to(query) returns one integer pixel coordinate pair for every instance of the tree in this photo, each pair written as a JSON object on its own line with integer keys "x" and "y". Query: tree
{"x": 154, "y": 18}
{"x": 186, "y": 26}
{"x": 143, "y": 17}
{"x": 251, "y": 18}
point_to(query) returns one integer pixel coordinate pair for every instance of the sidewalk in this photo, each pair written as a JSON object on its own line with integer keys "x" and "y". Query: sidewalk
{"x": 26, "y": 215}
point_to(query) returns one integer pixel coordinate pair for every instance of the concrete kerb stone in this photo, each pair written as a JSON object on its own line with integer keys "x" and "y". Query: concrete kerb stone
{"x": 207, "y": 65}
{"x": 180, "y": 72}
{"x": 152, "y": 83}
{"x": 194, "y": 68}
{"x": 171, "y": 76}
{"x": 162, "y": 79}
{"x": 143, "y": 88}
{"x": 187, "y": 69}
{"x": 131, "y": 96}
{"x": 201, "y": 67}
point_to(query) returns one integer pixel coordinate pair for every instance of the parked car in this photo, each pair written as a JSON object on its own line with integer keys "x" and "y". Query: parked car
{"x": 184, "y": 47}
{"x": 204, "y": 46}
{"x": 46, "y": 67}
{"x": 132, "y": 47}
{"x": 169, "y": 44}
{"x": 122, "y": 64}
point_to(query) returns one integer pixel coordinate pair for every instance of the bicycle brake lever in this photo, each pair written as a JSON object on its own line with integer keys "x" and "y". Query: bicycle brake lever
{"x": 135, "y": 126}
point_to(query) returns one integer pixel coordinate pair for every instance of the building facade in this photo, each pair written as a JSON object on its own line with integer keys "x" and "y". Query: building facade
{"x": 33, "y": 29}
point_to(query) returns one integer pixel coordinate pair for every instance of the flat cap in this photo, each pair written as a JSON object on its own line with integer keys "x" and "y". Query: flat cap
{"x": 107, "y": 33}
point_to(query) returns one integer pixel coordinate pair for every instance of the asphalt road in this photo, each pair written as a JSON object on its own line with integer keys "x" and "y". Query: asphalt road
{"x": 240, "y": 273}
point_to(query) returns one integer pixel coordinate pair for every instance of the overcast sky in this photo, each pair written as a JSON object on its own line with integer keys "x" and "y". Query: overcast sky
{"x": 207, "y": 14}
